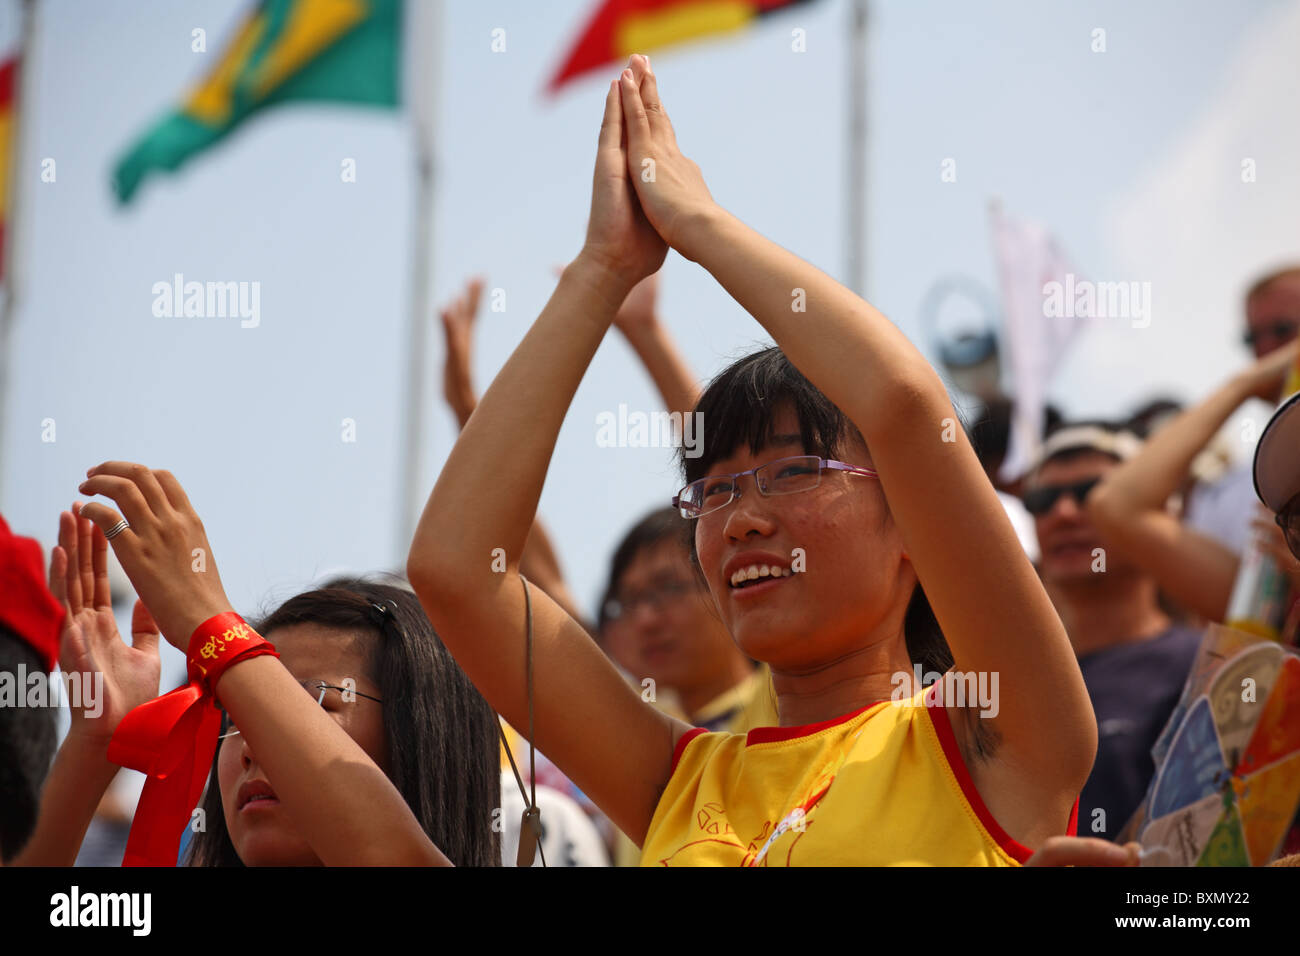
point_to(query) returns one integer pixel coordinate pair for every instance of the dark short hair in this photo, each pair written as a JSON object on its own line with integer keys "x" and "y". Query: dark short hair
{"x": 739, "y": 408}
{"x": 442, "y": 737}
{"x": 662, "y": 524}
{"x": 990, "y": 434}
{"x": 27, "y": 744}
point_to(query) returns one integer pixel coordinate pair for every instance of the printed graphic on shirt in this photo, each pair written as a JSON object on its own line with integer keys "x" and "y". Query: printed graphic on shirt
{"x": 712, "y": 821}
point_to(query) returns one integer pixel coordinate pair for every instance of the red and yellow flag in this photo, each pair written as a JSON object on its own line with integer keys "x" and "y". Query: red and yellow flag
{"x": 620, "y": 28}
{"x": 8, "y": 72}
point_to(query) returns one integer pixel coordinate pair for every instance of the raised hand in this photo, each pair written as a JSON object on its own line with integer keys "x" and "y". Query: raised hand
{"x": 90, "y": 643}
{"x": 165, "y": 551}
{"x": 619, "y": 237}
{"x": 458, "y": 329}
{"x": 670, "y": 186}
{"x": 1266, "y": 376}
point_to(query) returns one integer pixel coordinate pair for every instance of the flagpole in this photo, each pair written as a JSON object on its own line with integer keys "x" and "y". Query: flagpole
{"x": 422, "y": 52}
{"x": 856, "y": 151}
{"x": 8, "y": 309}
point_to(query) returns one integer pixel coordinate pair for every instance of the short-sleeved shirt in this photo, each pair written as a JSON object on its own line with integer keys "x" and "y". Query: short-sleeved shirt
{"x": 884, "y": 785}
{"x": 1134, "y": 687}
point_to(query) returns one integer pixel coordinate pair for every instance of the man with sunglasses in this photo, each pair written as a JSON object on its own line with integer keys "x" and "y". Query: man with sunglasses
{"x": 1223, "y": 509}
{"x": 1134, "y": 658}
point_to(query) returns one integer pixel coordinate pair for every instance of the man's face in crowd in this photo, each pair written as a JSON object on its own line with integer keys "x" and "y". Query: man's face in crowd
{"x": 671, "y": 633}
{"x": 1067, "y": 540}
{"x": 1273, "y": 316}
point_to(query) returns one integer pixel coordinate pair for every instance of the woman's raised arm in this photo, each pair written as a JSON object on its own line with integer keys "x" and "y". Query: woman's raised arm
{"x": 466, "y": 550}
{"x": 344, "y": 806}
{"x": 1129, "y": 506}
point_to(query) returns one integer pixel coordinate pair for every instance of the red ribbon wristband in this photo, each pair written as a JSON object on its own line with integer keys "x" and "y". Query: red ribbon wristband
{"x": 219, "y": 642}
{"x": 173, "y": 738}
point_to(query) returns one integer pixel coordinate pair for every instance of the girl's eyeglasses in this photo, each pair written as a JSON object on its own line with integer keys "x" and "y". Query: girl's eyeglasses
{"x": 785, "y": 476}
{"x": 317, "y": 689}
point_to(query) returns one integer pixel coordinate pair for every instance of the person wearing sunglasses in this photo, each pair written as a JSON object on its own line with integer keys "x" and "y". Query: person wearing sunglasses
{"x": 1194, "y": 567}
{"x": 839, "y": 484}
{"x": 1224, "y": 508}
{"x": 1134, "y": 658}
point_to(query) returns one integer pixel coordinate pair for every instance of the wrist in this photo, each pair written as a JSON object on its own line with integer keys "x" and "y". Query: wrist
{"x": 701, "y": 230}
{"x": 602, "y": 275}
{"x": 88, "y": 753}
{"x": 1238, "y": 388}
{"x": 219, "y": 643}
{"x": 84, "y": 743}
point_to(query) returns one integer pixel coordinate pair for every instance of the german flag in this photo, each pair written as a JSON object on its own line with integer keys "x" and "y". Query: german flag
{"x": 8, "y": 74}
{"x": 620, "y": 28}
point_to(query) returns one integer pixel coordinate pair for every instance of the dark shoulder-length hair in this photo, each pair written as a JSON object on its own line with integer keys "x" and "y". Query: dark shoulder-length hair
{"x": 442, "y": 737}
{"x": 739, "y": 408}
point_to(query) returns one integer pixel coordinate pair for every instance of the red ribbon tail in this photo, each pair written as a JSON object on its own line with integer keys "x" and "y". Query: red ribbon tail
{"x": 171, "y": 740}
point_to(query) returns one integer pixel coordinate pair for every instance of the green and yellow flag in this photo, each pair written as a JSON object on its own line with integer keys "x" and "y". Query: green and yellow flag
{"x": 336, "y": 50}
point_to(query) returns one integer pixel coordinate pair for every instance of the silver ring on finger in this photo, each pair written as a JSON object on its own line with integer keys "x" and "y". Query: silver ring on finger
{"x": 117, "y": 529}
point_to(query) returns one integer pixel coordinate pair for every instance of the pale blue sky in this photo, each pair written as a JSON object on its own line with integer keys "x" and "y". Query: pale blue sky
{"x": 249, "y": 419}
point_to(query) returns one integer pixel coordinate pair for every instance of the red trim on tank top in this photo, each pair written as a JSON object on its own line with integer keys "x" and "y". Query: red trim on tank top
{"x": 769, "y": 735}
{"x": 682, "y": 741}
{"x": 948, "y": 741}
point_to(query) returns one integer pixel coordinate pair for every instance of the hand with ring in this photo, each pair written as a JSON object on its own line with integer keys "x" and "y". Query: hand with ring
{"x": 164, "y": 549}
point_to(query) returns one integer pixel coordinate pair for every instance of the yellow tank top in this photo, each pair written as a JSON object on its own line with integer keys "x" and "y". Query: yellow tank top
{"x": 884, "y": 785}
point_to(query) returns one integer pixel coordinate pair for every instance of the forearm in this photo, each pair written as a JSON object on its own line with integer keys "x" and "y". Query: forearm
{"x": 853, "y": 353}
{"x": 344, "y": 806}
{"x": 667, "y": 367}
{"x": 77, "y": 781}
{"x": 496, "y": 470}
{"x": 1145, "y": 482}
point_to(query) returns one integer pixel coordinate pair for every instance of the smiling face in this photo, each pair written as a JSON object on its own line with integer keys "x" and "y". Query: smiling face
{"x": 259, "y": 826}
{"x": 855, "y": 583}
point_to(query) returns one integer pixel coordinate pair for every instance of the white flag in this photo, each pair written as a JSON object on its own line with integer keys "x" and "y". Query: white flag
{"x": 1029, "y": 259}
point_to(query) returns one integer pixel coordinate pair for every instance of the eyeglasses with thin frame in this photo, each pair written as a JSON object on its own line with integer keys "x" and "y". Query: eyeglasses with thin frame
{"x": 1039, "y": 501}
{"x": 655, "y": 597}
{"x": 784, "y": 476}
{"x": 317, "y": 689}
